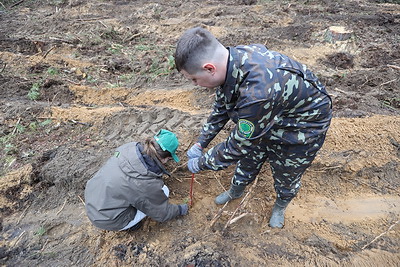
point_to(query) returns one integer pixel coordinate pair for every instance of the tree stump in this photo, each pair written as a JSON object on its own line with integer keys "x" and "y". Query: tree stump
{"x": 337, "y": 33}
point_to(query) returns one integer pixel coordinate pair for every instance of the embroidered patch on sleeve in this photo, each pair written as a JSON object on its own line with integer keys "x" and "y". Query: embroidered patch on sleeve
{"x": 246, "y": 128}
{"x": 116, "y": 154}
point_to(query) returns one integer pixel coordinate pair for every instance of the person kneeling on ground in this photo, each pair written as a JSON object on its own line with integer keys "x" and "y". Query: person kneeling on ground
{"x": 130, "y": 187}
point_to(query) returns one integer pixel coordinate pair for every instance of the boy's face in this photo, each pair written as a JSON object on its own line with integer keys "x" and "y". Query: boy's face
{"x": 205, "y": 78}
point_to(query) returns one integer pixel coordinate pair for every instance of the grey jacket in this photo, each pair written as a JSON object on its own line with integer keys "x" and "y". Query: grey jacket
{"x": 124, "y": 184}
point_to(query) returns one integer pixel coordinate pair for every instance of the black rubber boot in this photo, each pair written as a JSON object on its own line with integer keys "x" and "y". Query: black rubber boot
{"x": 277, "y": 219}
{"x": 236, "y": 191}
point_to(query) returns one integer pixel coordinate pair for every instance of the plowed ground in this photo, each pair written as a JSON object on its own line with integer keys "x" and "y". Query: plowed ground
{"x": 79, "y": 78}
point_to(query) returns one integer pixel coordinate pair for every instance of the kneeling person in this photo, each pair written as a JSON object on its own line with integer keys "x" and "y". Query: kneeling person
{"x": 130, "y": 187}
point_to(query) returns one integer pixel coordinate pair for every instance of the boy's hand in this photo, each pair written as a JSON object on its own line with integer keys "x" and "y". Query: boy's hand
{"x": 193, "y": 165}
{"x": 195, "y": 151}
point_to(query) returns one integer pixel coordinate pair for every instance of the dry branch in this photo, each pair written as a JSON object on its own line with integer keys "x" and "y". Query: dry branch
{"x": 393, "y": 66}
{"x": 45, "y": 243}
{"x": 341, "y": 91}
{"x": 48, "y": 51}
{"x": 388, "y": 82}
{"x": 236, "y": 210}
{"x": 72, "y": 82}
{"x": 65, "y": 201}
{"x": 194, "y": 180}
{"x": 2, "y": 69}
{"x": 18, "y": 239}
{"x": 376, "y": 238}
{"x": 242, "y": 203}
{"x": 17, "y": 3}
{"x": 327, "y": 168}
{"x": 176, "y": 178}
{"x": 178, "y": 167}
{"x": 238, "y": 217}
{"x": 103, "y": 24}
{"x": 92, "y": 19}
{"x": 22, "y": 215}
{"x": 83, "y": 202}
{"x": 131, "y": 37}
{"x": 216, "y": 178}
{"x": 216, "y": 216}
{"x": 16, "y": 125}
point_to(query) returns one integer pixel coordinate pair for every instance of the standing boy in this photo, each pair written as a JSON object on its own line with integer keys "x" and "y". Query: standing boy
{"x": 281, "y": 110}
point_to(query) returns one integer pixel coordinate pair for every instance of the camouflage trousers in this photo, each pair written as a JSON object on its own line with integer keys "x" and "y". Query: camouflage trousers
{"x": 287, "y": 162}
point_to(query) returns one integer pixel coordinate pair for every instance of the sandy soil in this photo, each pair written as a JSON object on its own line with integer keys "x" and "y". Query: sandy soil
{"x": 79, "y": 78}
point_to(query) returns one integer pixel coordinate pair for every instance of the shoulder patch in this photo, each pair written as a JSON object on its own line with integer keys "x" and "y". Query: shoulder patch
{"x": 246, "y": 128}
{"x": 116, "y": 154}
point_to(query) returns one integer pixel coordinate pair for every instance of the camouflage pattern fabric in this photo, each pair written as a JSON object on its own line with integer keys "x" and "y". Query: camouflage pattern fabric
{"x": 282, "y": 113}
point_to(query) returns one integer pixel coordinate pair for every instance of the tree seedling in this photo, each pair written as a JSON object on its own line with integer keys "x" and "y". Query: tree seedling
{"x": 40, "y": 232}
{"x": 34, "y": 92}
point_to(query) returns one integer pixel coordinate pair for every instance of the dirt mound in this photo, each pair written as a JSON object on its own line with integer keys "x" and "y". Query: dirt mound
{"x": 79, "y": 78}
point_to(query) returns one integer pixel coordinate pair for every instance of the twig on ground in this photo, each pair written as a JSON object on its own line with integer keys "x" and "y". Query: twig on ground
{"x": 16, "y": 125}
{"x": 366, "y": 81}
{"x": 216, "y": 216}
{"x": 105, "y": 26}
{"x": 22, "y": 214}
{"x": 65, "y": 201}
{"x": 194, "y": 180}
{"x": 62, "y": 40}
{"x": 242, "y": 203}
{"x": 18, "y": 239}
{"x": 376, "y": 238}
{"x": 341, "y": 91}
{"x": 359, "y": 182}
{"x": 131, "y": 37}
{"x": 91, "y": 19}
{"x": 239, "y": 217}
{"x": 48, "y": 51}
{"x": 45, "y": 243}
{"x": 327, "y": 168}
{"x": 52, "y": 100}
{"x": 83, "y": 202}
{"x": 178, "y": 167}
{"x": 216, "y": 178}
{"x": 3, "y": 6}
{"x": 17, "y": 3}
{"x": 5, "y": 64}
{"x": 47, "y": 118}
{"x": 388, "y": 82}
{"x": 82, "y": 123}
{"x": 72, "y": 82}
{"x": 236, "y": 210}
{"x": 393, "y": 66}
{"x": 176, "y": 178}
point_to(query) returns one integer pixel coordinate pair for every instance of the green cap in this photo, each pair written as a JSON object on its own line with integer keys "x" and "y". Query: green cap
{"x": 168, "y": 142}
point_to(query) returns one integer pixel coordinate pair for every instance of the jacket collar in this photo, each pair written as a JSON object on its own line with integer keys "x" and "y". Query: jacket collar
{"x": 230, "y": 88}
{"x": 153, "y": 165}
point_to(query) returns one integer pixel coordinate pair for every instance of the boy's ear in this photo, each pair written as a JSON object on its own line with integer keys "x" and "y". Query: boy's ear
{"x": 209, "y": 67}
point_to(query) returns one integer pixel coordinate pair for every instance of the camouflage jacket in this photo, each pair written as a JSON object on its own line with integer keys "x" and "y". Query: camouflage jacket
{"x": 270, "y": 97}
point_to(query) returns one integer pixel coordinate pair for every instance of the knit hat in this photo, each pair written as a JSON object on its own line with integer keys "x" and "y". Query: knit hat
{"x": 168, "y": 142}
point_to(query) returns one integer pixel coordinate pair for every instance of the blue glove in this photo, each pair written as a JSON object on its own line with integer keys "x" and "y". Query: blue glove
{"x": 193, "y": 165}
{"x": 183, "y": 209}
{"x": 195, "y": 151}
